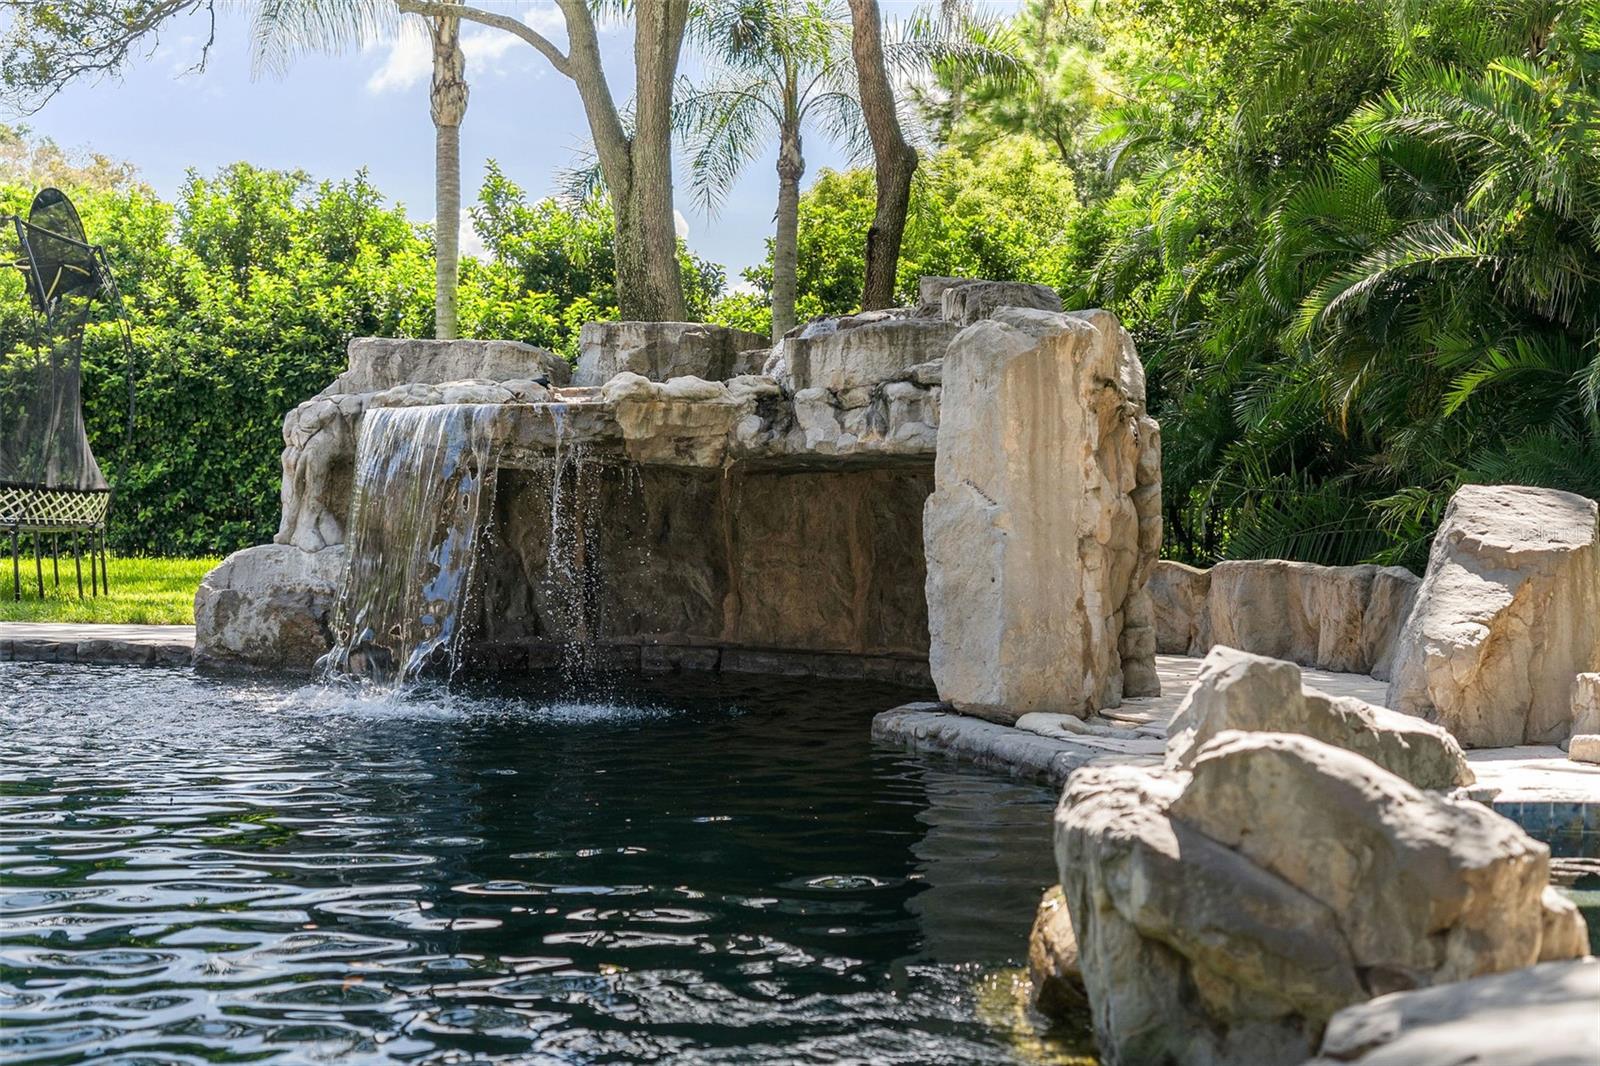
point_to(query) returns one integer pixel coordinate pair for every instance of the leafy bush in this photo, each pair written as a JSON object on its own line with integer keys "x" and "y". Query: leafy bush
{"x": 243, "y": 296}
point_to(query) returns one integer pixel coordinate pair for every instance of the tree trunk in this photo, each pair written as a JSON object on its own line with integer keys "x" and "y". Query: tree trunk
{"x": 448, "y": 103}
{"x": 894, "y": 160}
{"x": 786, "y": 246}
{"x": 653, "y": 289}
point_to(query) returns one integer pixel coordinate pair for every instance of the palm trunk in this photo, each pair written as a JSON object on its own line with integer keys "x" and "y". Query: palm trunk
{"x": 786, "y": 246}
{"x": 895, "y": 160}
{"x": 448, "y": 102}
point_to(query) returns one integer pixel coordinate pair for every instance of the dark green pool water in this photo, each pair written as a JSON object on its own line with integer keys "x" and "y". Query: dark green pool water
{"x": 196, "y": 870}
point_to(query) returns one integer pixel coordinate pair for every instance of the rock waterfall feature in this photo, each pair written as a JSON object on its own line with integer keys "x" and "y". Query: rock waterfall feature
{"x": 775, "y": 522}
{"x": 424, "y": 483}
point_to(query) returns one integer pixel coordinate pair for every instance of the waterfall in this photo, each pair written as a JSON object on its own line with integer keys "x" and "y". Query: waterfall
{"x": 423, "y": 495}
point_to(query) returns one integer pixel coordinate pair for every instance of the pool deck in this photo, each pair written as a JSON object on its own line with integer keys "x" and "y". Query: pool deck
{"x": 63, "y": 643}
{"x": 1535, "y": 785}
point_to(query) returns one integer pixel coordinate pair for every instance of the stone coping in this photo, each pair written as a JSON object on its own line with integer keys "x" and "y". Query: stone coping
{"x": 92, "y": 643}
{"x": 1536, "y": 786}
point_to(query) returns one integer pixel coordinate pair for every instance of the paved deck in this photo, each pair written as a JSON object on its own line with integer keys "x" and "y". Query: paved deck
{"x": 59, "y": 642}
{"x": 1538, "y": 786}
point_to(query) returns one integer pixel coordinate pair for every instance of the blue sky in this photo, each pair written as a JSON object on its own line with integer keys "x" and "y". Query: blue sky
{"x": 331, "y": 116}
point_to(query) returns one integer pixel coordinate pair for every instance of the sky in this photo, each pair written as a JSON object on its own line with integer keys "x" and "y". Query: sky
{"x": 332, "y": 115}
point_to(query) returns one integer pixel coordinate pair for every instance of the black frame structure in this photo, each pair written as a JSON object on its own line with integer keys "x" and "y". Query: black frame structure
{"x": 61, "y": 491}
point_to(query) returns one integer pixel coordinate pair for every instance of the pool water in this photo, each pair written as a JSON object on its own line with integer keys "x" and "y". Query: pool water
{"x": 198, "y": 870}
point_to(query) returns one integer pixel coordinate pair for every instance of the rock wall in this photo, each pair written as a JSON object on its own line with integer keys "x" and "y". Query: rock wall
{"x": 660, "y": 351}
{"x": 673, "y": 566}
{"x": 1044, "y": 520}
{"x": 1344, "y": 618}
{"x": 1507, "y": 616}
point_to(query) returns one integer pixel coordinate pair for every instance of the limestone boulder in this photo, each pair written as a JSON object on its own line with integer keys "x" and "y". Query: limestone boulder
{"x": 1225, "y": 914}
{"x": 863, "y": 350}
{"x": 1045, "y": 519}
{"x": 378, "y": 363}
{"x": 269, "y": 607}
{"x": 1585, "y": 705}
{"x": 967, "y": 302}
{"x": 1584, "y": 747}
{"x": 1058, "y": 990}
{"x": 1544, "y": 1015}
{"x": 1342, "y": 618}
{"x": 660, "y": 351}
{"x": 1239, "y": 691}
{"x": 1178, "y": 596}
{"x": 1507, "y": 615}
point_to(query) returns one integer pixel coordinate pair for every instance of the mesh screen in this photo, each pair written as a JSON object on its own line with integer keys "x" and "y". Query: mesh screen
{"x": 42, "y": 438}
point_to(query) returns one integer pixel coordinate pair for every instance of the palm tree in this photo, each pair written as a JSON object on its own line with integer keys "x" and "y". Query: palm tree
{"x": 783, "y": 65}
{"x": 283, "y": 28}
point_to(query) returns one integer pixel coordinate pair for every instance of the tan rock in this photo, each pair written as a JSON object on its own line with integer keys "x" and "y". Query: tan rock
{"x": 1563, "y": 934}
{"x": 1507, "y": 615}
{"x": 967, "y": 302}
{"x": 660, "y": 351}
{"x": 1585, "y": 704}
{"x": 1179, "y": 596}
{"x": 1058, "y": 990}
{"x": 268, "y": 607}
{"x": 842, "y": 354}
{"x": 1225, "y": 914}
{"x": 379, "y": 363}
{"x": 1585, "y": 747}
{"x": 1540, "y": 1016}
{"x": 1036, "y": 568}
{"x": 1239, "y": 691}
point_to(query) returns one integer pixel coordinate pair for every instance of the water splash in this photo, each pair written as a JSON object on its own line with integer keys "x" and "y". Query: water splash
{"x": 424, "y": 490}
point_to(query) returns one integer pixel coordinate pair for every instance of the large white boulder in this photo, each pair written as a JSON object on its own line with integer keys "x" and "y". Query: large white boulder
{"x": 1252, "y": 693}
{"x": 378, "y": 363}
{"x": 1545, "y": 1015}
{"x": 1508, "y": 614}
{"x": 1045, "y": 518}
{"x": 269, "y": 607}
{"x": 859, "y": 351}
{"x": 1225, "y": 914}
{"x": 660, "y": 351}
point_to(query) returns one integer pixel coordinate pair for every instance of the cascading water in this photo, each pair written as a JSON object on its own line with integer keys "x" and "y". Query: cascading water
{"x": 424, "y": 489}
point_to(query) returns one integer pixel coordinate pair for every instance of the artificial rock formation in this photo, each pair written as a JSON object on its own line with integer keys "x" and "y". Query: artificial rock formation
{"x": 1544, "y": 1015}
{"x": 1225, "y": 914}
{"x": 720, "y": 519}
{"x": 1252, "y": 693}
{"x": 1053, "y": 970}
{"x": 1343, "y": 618}
{"x": 268, "y": 607}
{"x": 1507, "y": 615}
{"x": 1044, "y": 520}
{"x": 661, "y": 351}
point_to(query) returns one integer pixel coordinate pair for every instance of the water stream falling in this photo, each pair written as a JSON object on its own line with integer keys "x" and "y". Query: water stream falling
{"x": 423, "y": 494}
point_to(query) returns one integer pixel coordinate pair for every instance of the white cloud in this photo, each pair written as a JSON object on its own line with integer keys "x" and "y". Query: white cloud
{"x": 409, "y": 60}
{"x": 408, "y": 57}
{"x": 744, "y": 288}
{"x": 680, "y": 224}
{"x": 471, "y": 243}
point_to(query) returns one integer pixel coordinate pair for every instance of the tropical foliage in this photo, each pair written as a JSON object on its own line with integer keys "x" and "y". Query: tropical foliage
{"x": 243, "y": 295}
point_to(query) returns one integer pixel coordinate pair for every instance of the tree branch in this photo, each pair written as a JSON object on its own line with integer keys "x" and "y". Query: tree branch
{"x": 517, "y": 27}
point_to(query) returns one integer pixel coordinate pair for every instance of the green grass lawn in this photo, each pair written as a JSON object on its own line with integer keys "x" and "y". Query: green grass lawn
{"x": 143, "y": 592}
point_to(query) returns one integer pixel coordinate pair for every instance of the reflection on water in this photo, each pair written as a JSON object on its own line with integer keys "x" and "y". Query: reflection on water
{"x": 194, "y": 870}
